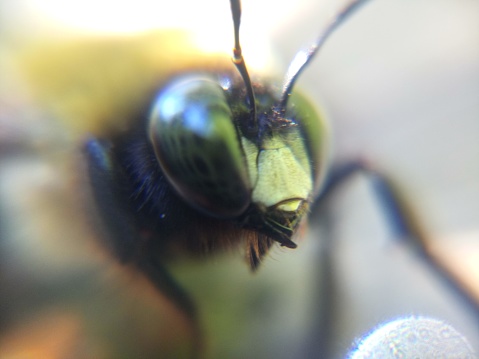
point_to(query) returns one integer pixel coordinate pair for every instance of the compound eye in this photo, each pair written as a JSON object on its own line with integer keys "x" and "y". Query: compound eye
{"x": 315, "y": 133}
{"x": 197, "y": 146}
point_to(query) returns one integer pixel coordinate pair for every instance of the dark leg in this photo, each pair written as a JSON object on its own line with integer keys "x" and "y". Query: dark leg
{"x": 166, "y": 284}
{"x": 404, "y": 226}
{"x": 403, "y": 222}
{"x": 105, "y": 178}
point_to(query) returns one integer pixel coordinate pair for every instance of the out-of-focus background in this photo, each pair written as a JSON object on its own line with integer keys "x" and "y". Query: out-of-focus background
{"x": 399, "y": 83}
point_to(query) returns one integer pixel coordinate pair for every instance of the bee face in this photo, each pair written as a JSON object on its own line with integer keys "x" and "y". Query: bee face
{"x": 195, "y": 149}
{"x": 226, "y": 170}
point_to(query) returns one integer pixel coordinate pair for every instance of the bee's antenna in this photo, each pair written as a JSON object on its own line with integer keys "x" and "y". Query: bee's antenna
{"x": 302, "y": 58}
{"x": 240, "y": 63}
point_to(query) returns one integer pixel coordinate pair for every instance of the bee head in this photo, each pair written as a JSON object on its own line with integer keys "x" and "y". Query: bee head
{"x": 244, "y": 150}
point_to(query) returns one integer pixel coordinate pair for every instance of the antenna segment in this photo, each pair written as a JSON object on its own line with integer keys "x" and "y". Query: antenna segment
{"x": 238, "y": 60}
{"x": 304, "y": 57}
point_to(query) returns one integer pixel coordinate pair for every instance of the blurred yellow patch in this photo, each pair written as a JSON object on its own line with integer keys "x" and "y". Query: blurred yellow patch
{"x": 95, "y": 84}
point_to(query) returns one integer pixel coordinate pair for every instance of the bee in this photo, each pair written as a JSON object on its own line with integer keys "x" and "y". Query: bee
{"x": 161, "y": 187}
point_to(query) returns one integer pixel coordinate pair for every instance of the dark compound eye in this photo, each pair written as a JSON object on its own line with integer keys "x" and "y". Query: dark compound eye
{"x": 197, "y": 146}
{"x": 315, "y": 134}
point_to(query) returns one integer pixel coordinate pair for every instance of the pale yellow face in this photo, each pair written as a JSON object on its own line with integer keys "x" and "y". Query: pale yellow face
{"x": 280, "y": 172}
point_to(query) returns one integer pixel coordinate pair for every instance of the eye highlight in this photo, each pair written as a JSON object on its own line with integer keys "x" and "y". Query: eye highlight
{"x": 197, "y": 146}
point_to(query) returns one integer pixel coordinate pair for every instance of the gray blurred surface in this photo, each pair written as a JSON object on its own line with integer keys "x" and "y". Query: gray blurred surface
{"x": 400, "y": 83}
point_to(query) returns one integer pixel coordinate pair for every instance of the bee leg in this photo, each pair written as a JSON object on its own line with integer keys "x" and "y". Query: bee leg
{"x": 401, "y": 219}
{"x": 106, "y": 177}
{"x": 161, "y": 278}
{"x": 404, "y": 226}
